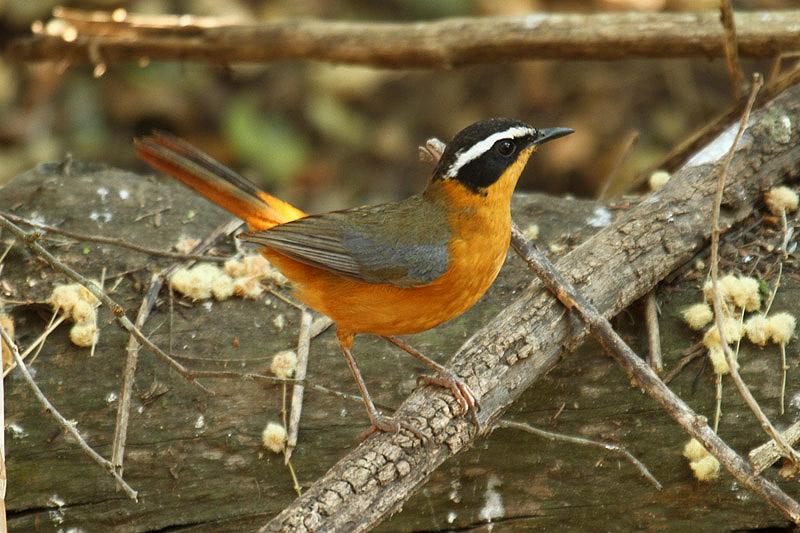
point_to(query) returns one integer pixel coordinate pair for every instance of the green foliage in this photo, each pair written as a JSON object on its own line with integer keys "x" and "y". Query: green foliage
{"x": 267, "y": 141}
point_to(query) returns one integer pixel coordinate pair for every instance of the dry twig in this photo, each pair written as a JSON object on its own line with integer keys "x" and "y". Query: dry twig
{"x": 653, "y": 332}
{"x": 766, "y": 425}
{"x": 695, "y": 425}
{"x": 29, "y": 240}
{"x": 114, "y": 241}
{"x": 68, "y": 426}
{"x": 765, "y": 455}
{"x": 614, "y": 448}
{"x": 303, "y": 344}
{"x": 731, "y": 48}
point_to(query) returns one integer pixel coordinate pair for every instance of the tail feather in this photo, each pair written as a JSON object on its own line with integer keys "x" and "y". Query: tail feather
{"x": 215, "y": 181}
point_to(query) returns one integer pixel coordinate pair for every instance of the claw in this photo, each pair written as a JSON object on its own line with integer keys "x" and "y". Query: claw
{"x": 460, "y": 390}
{"x": 389, "y": 425}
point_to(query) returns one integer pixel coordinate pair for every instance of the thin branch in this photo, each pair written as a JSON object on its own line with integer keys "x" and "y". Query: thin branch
{"x": 303, "y": 344}
{"x": 689, "y": 355}
{"x": 695, "y": 425}
{"x": 114, "y": 241}
{"x": 731, "y": 48}
{"x": 653, "y": 332}
{"x": 625, "y": 149}
{"x": 99, "y": 38}
{"x": 227, "y": 374}
{"x": 132, "y": 349}
{"x": 29, "y": 240}
{"x": 126, "y": 389}
{"x": 613, "y": 448}
{"x": 765, "y": 455}
{"x": 744, "y": 391}
{"x": 69, "y": 427}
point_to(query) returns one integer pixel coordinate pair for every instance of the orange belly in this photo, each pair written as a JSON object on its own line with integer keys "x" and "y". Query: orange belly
{"x": 481, "y": 228}
{"x": 359, "y": 307}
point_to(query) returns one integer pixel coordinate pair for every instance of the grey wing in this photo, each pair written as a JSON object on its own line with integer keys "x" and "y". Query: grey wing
{"x": 357, "y": 244}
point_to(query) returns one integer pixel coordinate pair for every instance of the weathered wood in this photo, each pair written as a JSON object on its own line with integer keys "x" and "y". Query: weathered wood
{"x": 448, "y": 43}
{"x": 212, "y": 474}
{"x": 613, "y": 269}
{"x": 217, "y": 476}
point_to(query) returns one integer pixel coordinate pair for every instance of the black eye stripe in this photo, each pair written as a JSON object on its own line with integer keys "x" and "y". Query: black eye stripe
{"x": 479, "y": 154}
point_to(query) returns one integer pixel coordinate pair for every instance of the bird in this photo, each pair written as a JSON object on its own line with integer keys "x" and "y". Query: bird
{"x": 391, "y": 269}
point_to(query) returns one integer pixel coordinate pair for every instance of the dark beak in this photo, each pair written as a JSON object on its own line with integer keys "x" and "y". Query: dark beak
{"x": 548, "y": 134}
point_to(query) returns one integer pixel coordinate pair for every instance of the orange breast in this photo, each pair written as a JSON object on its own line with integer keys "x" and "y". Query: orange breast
{"x": 481, "y": 228}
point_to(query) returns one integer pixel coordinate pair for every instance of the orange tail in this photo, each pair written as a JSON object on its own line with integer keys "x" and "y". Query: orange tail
{"x": 215, "y": 181}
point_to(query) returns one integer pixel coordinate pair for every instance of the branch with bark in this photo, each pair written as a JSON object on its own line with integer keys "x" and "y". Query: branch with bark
{"x": 617, "y": 266}
{"x": 77, "y": 37}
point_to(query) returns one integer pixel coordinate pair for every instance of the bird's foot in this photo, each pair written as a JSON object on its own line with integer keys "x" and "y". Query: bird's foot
{"x": 460, "y": 390}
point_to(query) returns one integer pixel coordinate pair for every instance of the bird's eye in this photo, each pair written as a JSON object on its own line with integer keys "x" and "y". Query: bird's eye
{"x": 504, "y": 147}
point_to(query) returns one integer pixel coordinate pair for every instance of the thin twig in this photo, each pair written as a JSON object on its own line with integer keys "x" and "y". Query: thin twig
{"x": 227, "y": 374}
{"x": 29, "y": 240}
{"x": 744, "y": 391}
{"x": 689, "y": 355}
{"x": 766, "y": 454}
{"x": 625, "y": 149}
{"x": 614, "y": 448}
{"x": 653, "y": 333}
{"x": 731, "y": 48}
{"x": 132, "y": 349}
{"x": 114, "y": 241}
{"x": 38, "y": 342}
{"x": 126, "y": 389}
{"x": 63, "y": 422}
{"x": 695, "y": 425}
{"x": 303, "y": 344}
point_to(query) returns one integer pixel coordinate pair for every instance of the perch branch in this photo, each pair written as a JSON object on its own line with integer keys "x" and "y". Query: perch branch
{"x": 697, "y": 426}
{"x": 615, "y": 267}
{"x": 99, "y": 38}
{"x": 731, "y": 48}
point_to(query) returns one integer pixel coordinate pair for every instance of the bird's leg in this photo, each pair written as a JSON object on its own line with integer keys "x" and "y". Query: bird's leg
{"x": 461, "y": 391}
{"x": 379, "y": 422}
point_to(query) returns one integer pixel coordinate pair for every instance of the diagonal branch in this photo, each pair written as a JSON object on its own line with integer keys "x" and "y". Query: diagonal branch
{"x": 615, "y": 267}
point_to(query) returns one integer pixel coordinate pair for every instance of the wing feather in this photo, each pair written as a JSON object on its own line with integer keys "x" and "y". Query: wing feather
{"x": 364, "y": 244}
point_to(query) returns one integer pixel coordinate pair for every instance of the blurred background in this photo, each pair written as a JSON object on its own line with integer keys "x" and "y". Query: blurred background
{"x": 325, "y": 137}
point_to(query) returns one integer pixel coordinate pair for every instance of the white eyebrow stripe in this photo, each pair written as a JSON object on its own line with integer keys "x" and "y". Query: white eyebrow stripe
{"x": 479, "y": 148}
